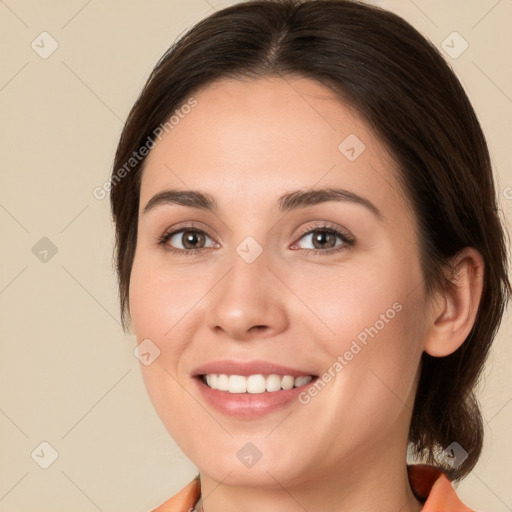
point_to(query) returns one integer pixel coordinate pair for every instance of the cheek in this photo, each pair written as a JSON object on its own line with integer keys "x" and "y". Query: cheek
{"x": 381, "y": 356}
{"x": 161, "y": 305}
{"x": 349, "y": 299}
{"x": 375, "y": 317}
{"x": 162, "y": 298}
{"x": 375, "y": 369}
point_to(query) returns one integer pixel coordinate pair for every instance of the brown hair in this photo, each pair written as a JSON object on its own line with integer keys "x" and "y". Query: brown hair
{"x": 401, "y": 85}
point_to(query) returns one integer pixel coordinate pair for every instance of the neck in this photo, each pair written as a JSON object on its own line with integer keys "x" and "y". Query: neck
{"x": 367, "y": 482}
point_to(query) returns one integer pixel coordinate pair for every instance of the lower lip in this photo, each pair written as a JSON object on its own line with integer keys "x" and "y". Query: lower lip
{"x": 249, "y": 405}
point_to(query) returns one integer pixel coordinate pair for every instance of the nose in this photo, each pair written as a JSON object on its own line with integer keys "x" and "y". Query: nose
{"x": 249, "y": 302}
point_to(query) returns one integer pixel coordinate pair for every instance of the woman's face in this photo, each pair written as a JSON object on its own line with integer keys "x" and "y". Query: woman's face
{"x": 272, "y": 289}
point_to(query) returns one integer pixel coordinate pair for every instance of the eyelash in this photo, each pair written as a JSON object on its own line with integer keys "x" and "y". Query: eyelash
{"x": 347, "y": 239}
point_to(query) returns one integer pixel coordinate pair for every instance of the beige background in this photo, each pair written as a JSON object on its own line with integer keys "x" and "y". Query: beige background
{"x": 68, "y": 375}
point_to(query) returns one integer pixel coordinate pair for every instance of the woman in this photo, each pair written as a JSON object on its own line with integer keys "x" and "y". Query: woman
{"x": 309, "y": 249}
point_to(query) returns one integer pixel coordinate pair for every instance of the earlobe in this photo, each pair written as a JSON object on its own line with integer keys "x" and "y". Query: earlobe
{"x": 456, "y": 306}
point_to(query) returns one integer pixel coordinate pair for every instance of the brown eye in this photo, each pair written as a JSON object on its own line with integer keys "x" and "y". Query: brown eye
{"x": 324, "y": 239}
{"x": 192, "y": 239}
{"x": 187, "y": 240}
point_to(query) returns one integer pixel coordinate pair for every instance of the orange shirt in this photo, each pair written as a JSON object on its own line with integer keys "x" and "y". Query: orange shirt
{"x": 429, "y": 484}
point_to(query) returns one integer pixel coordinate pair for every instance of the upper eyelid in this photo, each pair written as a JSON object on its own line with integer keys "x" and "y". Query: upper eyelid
{"x": 322, "y": 225}
{"x": 191, "y": 226}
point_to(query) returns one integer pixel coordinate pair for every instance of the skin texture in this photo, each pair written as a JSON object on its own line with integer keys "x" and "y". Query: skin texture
{"x": 246, "y": 143}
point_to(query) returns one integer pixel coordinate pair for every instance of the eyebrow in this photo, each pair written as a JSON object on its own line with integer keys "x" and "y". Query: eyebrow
{"x": 287, "y": 202}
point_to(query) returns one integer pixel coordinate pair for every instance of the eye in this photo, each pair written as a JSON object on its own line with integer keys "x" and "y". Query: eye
{"x": 325, "y": 239}
{"x": 187, "y": 240}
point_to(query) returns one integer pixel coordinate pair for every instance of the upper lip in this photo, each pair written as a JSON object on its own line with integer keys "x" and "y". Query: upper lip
{"x": 230, "y": 367}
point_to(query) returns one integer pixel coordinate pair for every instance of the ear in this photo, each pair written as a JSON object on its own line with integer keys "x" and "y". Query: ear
{"x": 454, "y": 309}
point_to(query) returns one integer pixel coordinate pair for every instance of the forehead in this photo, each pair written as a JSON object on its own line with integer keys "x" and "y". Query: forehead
{"x": 249, "y": 140}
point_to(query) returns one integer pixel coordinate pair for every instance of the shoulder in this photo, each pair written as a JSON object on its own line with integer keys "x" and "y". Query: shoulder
{"x": 433, "y": 486}
{"x": 184, "y": 500}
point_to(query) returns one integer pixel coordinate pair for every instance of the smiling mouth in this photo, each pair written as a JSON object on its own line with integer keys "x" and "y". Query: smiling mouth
{"x": 254, "y": 384}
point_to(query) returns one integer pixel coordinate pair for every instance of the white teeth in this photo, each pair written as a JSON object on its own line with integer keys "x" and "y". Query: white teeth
{"x": 237, "y": 384}
{"x": 254, "y": 383}
{"x": 300, "y": 381}
{"x": 223, "y": 382}
{"x": 273, "y": 383}
{"x": 288, "y": 382}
